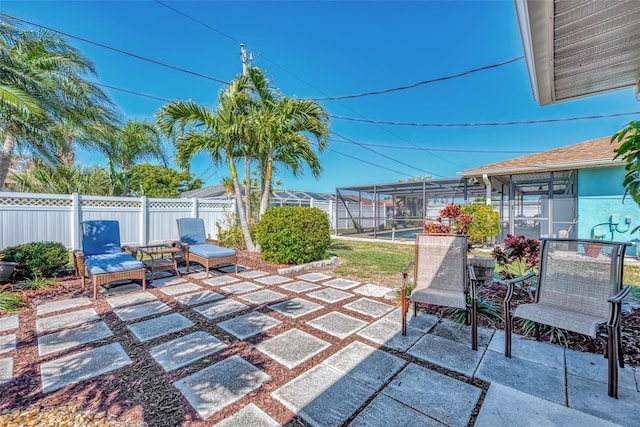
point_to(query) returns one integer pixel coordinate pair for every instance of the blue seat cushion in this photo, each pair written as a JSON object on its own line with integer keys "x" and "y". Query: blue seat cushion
{"x": 100, "y": 237}
{"x": 209, "y": 251}
{"x": 191, "y": 231}
{"x": 111, "y": 263}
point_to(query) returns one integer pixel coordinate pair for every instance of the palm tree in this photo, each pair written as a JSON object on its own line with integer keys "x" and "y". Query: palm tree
{"x": 42, "y": 84}
{"x": 137, "y": 141}
{"x": 64, "y": 178}
{"x": 221, "y": 133}
{"x": 281, "y": 130}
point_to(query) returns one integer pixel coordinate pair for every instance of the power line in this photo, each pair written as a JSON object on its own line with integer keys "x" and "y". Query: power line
{"x": 367, "y": 162}
{"x": 510, "y": 123}
{"x": 115, "y": 49}
{"x": 132, "y": 92}
{"x": 424, "y": 82}
{"x": 447, "y": 150}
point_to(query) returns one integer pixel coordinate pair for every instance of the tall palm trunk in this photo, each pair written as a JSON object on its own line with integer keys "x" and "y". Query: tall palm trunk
{"x": 6, "y": 156}
{"x": 244, "y": 224}
{"x": 266, "y": 192}
{"x": 247, "y": 187}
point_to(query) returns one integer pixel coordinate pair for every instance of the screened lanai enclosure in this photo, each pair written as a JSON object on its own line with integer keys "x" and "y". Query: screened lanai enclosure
{"x": 539, "y": 204}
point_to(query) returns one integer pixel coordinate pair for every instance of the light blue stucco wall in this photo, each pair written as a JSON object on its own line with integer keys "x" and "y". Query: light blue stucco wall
{"x": 600, "y": 195}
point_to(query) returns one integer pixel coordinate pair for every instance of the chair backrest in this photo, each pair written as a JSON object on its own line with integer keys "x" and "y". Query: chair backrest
{"x": 441, "y": 262}
{"x": 100, "y": 237}
{"x": 191, "y": 231}
{"x": 580, "y": 275}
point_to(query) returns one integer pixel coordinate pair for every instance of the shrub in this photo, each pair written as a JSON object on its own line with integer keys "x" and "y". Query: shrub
{"x": 485, "y": 224}
{"x": 37, "y": 259}
{"x": 293, "y": 235}
{"x": 230, "y": 232}
{"x": 9, "y": 301}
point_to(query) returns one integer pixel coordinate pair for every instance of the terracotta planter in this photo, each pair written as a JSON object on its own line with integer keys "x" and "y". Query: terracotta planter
{"x": 592, "y": 250}
{"x": 6, "y": 270}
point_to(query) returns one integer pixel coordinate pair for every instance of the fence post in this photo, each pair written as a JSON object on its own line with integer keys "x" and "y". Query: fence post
{"x": 144, "y": 221}
{"x": 194, "y": 208}
{"x": 75, "y": 221}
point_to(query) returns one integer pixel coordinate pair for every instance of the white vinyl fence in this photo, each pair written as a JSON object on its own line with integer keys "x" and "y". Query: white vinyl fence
{"x": 30, "y": 217}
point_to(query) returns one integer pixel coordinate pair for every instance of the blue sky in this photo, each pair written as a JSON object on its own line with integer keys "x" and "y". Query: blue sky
{"x": 324, "y": 49}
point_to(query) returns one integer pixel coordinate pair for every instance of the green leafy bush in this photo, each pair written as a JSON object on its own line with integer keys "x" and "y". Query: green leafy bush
{"x": 293, "y": 235}
{"x": 485, "y": 225}
{"x": 230, "y": 233}
{"x": 9, "y": 301}
{"x": 37, "y": 259}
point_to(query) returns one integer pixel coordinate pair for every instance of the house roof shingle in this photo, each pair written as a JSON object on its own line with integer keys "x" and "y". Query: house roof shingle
{"x": 594, "y": 153}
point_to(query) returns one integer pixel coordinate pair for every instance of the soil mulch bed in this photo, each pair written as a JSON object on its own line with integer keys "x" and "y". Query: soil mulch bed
{"x": 142, "y": 394}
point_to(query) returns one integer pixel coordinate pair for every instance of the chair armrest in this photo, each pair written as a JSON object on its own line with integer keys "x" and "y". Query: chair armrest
{"x": 213, "y": 242}
{"x": 78, "y": 261}
{"x": 621, "y": 295}
{"x": 616, "y": 306}
{"x": 511, "y": 283}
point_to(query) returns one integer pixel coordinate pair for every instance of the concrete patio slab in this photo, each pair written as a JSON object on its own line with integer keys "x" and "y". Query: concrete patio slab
{"x": 221, "y": 280}
{"x": 82, "y": 366}
{"x": 8, "y": 322}
{"x": 185, "y": 350}
{"x": 240, "y": 288}
{"x": 160, "y": 326}
{"x": 131, "y": 299}
{"x": 369, "y": 307}
{"x": 314, "y": 277}
{"x": 337, "y": 324}
{"x": 370, "y": 290}
{"x": 389, "y": 334}
{"x": 595, "y": 368}
{"x": 445, "y": 399}
{"x": 504, "y": 406}
{"x": 198, "y": 298}
{"x": 299, "y": 286}
{"x": 248, "y": 325}
{"x": 134, "y": 312}
{"x": 527, "y": 348}
{"x": 60, "y": 305}
{"x": 249, "y": 416}
{"x": 230, "y": 268}
{"x": 293, "y": 347}
{"x": 6, "y": 369}
{"x": 252, "y": 274}
{"x": 180, "y": 288}
{"x": 273, "y": 280}
{"x": 296, "y": 307}
{"x": 330, "y": 295}
{"x": 70, "y": 338}
{"x": 263, "y": 297}
{"x": 461, "y": 333}
{"x": 323, "y": 396}
{"x": 365, "y": 364}
{"x": 168, "y": 281}
{"x": 7, "y": 343}
{"x": 340, "y": 283}
{"x": 385, "y": 411}
{"x": 220, "y": 308}
{"x": 448, "y": 354}
{"x": 127, "y": 288}
{"x": 532, "y": 378}
{"x": 591, "y": 397}
{"x": 221, "y": 384}
{"x": 66, "y": 320}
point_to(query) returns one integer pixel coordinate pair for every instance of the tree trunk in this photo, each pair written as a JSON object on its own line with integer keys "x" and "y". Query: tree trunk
{"x": 6, "y": 156}
{"x": 244, "y": 224}
{"x": 266, "y": 192}
{"x": 247, "y": 187}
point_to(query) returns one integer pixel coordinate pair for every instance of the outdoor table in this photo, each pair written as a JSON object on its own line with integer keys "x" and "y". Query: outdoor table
{"x": 157, "y": 257}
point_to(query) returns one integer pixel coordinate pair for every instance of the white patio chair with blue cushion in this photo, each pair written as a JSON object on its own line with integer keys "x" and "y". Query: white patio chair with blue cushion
{"x": 198, "y": 248}
{"x": 102, "y": 258}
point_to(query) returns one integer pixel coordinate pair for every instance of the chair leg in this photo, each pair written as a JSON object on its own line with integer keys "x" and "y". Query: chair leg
{"x": 95, "y": 288}
{"x": 612, "y": 346}
{"x": 404, "y": 308}
{"x": 508, "y": 324}
{"x": 415, "y": 309}
{"x": 537, "y": 331}
{"x": 144, "y": 282}
{"x": 474, "y": 324}
{"x": 620, "y": 350}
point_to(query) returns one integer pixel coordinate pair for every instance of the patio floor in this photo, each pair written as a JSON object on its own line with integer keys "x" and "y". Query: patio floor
{"x": 321, "y": 350}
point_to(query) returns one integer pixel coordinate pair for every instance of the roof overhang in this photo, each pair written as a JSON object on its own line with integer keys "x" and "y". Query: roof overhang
{"x": 576, "y": 49}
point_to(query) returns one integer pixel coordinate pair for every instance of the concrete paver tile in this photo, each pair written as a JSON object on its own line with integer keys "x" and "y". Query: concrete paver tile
{"x": 60, "y": 305}
{"x": 249, "y": 416}
{"x": 6, "y": 369}
{"x": 370, "y": 290}
{"x": 168, "y": 281}
{"x": 221, "y": 280}
{"x": 461, "y": 333}
{"x": 292, "y": 347}
{"x": 273, "y": 280}
{"x": 181, "y": 351}
{"x": 337, "y": 324}
{"x": 595, "y": 367}
{"x": 240, "y": 288}
{"x": 330, "y": 295}
{"x": 448, "y": 354}
{"x": 59, "y": 321}
{"x": 221, "y": 384}
{"x": 131, "y": 299}
{"x": 8, "y": 322}
{"x": 263, "y": 297}
{"x": 341, "y": 283}
{"x": 252, "y": 274}
{"x": 180, "y": 288}
{"x": 528, "y": 348}
{"x": 296, "y": 307}
{"x": 369, "y": 307}
{"x": 390, "y": 335}
{"x": 7, "y": 343}
{"x": 445, "y": 399}
{"x": 314, "y": 277}
{"x": 199, "y": 298}
{"x": 385, "y": 411}
{"x": 139, "y": 311}
{"x": 299, "y": 286}
{"x": 70, "y": 338}
{"x": 248, "y": 325}
{"x": 82, "y": 366}
{"x": 160, "y": 326}
{"x": 220, "y": 308}
{"x": 127, "y": 288}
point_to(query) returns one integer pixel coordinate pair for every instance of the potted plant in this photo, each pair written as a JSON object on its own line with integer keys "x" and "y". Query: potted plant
{"x": 6, "y": 269}
{"x": 594, "y": 250}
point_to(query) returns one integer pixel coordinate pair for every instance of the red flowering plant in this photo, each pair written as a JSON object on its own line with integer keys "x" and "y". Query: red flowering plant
{"x": 519, "y": 256}
{"x": 451, "y": 220}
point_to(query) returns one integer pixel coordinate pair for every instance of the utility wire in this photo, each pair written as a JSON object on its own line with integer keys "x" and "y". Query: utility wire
{"x": 424, "y": 82}
{"x": 144, "y": 95}
{"x": 134, "y": 55}
{"x": 367, "y": 162}
{"x": 510, "y": 123}
{"x": 447, "y": 150}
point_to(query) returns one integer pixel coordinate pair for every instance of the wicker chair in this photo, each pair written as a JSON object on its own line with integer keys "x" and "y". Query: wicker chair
{"x": 197, "y": 248}
{"x": 102, "y": 259}
{"x": 579, "y": 289}
{"x": 441, "y": 277}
